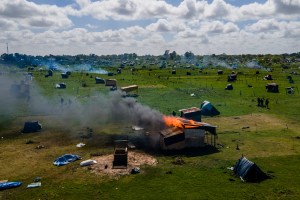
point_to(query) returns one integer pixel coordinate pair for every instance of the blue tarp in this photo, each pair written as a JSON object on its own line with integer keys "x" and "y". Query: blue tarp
{"x": 66, "y": 159}
{"x": 7, "y": 185}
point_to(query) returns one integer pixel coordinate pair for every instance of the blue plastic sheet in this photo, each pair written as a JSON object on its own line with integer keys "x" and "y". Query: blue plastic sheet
{"x": 66, "y": 159}
{"x": 7, "y": 185}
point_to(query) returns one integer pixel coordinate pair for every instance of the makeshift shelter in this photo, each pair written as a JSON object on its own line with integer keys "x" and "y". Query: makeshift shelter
{"x": 99, "y": 80}
{"x": 30, "y": 127}
{"x": 61, "y": 86}
{"x": 190, "y": 134}
{"x": 173, "y": 71}
{"x": 231, "y": 77}
{"x": 229, "y": 87}
{"x": 220, "y": 72}
{"x": 248, "y": 171}
{"x": 111, "y": 82}
{"x": 192, "y": 113}
{"x": 207, "y": 109}
{"x": 272, "y": 87}
{"x": 64, "y": 75}
{"x": 268, "y": 77}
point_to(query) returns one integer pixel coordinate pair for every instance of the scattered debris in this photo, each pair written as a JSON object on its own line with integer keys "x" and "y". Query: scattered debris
{"x": 137, "y": 128}
{"x": 40, "y": 147}
{"x": 169, "y": 172}
{"x": 34, "y": 185}
{"x": 80, "y": 145}
{"x": 66, "y": 159}
{"x": 178, "y": 161}
{"x": 88, "y": 162}
{"x": 8, "y": 185}
{"x": 245, "y": 127}
{"x": 29, "y": 142}
{"x": 135, "y": 170}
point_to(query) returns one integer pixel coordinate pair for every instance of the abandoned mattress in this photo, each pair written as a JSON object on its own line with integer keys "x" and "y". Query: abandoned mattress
{"x": 66, "y": 159}
{"x": 7, "y": 185}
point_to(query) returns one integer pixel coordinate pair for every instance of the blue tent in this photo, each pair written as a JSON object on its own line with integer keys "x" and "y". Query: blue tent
{"x": 248, "y": 171}
{"x": 207, "y": 109}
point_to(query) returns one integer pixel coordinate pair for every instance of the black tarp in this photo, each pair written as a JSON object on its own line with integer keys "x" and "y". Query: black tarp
{"x": 248, "y": 171}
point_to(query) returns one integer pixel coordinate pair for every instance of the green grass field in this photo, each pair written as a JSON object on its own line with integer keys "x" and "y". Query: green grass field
{"x": 271, "y": 139}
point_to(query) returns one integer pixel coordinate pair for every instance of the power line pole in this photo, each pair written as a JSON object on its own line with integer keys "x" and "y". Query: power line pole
{"x": 7, "y": 48}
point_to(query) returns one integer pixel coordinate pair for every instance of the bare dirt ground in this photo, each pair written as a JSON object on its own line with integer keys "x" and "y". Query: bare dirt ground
{"x": 251, "y": 122}
{"x": 135, "y": 159}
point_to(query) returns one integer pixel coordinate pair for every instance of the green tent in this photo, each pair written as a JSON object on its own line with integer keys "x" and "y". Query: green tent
{"x": 207, "y": 109}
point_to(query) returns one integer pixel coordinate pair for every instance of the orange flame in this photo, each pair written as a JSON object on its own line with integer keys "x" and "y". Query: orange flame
{"x": 173, "y": 122}
{"x": 181, "y": 122}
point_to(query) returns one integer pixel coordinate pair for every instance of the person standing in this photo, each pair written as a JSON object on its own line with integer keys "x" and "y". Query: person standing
{"x": 267, "y": 103}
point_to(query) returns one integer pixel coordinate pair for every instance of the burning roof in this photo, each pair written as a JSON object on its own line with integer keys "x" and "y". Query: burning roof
{"x": 182, "y": 123}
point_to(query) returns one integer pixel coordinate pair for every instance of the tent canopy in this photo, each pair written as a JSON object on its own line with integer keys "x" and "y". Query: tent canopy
{"x": 207, "y": 109}
{"x": 248, "y": 171}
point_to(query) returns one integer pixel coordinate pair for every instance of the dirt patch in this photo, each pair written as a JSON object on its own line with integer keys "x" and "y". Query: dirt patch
{"x": 135, "y": 159}
{"x": 251, "y": 122}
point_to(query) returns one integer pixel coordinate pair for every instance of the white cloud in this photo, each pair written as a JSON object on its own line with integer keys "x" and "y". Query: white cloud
{"x": 30, "y": 15}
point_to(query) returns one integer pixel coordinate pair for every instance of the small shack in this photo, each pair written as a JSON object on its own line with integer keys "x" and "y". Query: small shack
{"x": 173, "y": 71}
{"x": 99, "y": 80}
{"x": 192, "y": 113}
{"x": 191, "y": 134}
{"x": 120, "y": 154}
{"x": 111, "y": 82}
{"x": 130, "y": 89}
{"x": 248, "y": 171}
{"x": 30, "y": 127}
{"x": 272, "y": 87}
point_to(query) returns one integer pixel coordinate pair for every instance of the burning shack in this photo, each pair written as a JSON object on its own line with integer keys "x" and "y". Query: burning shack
{"x": 183, "y": 133}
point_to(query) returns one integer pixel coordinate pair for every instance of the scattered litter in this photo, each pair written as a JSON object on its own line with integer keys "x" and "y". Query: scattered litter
{"x": 34, "y": 185}
{"x": 137, "y": 128}
{"x": 66, "y": 159}
{"x": 80, "y": 145}
{"x": 131, "y": 145}
{"x": 29, "y": 142}
{"x": 40, "y": 147}
{"x": 135, "y": 170}
{"x": 192, "y": 95}
{"x": 245, "y": 127}
{"x": 88, "y": 162}
{"x": 178, "y": 161}
{"x": 37, "y": 179}
{"x": 7, "y": 185}
{"x": 230, "y": 168}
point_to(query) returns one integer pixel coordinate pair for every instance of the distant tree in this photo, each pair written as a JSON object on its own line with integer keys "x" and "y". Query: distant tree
{"x": 173, "y": 55}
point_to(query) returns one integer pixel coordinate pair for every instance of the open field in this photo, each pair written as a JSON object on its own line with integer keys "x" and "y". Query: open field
{"x": 269, "y": 137}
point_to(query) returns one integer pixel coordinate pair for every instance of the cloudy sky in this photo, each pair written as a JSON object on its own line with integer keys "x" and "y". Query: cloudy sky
{"x": 102, "y": 27}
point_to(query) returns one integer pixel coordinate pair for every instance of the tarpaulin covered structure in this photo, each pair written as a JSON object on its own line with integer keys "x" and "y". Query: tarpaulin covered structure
{"x": 248, "y": 171}
{"x": 207, "y": 109}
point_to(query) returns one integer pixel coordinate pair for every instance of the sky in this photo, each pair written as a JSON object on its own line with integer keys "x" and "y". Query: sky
{"x": 105, "y": 27}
